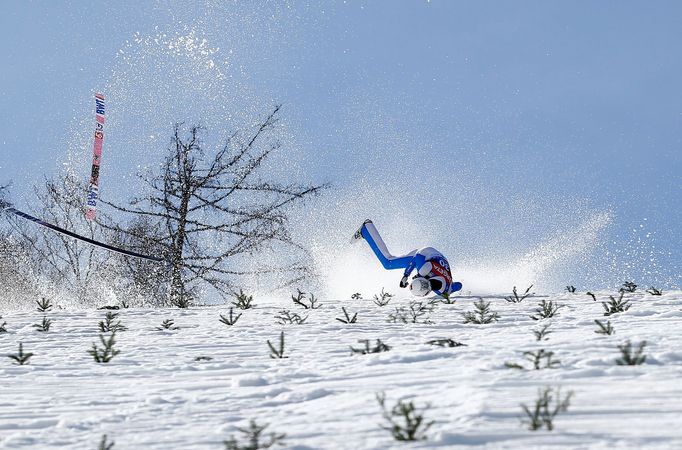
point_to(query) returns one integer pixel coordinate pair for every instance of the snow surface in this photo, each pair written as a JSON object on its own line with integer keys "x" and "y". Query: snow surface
{"x": 154, "y": 395}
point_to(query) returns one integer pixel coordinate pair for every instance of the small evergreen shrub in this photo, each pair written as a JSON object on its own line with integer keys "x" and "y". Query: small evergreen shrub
{"x": 516, "y": 298}
{"x": 406, "y": 422}
{"x": 44, "y": 305}
{"x": 604, "y": 329}
{"x": 230, "y": 319}
{"x": 448, "y": 299}
{"x": 203, "y": 358}
{"x": 545, "y": 310}
{"x": 481, "y": 315}
{"x": 243, "y": 301}
{"x": 300, "y": 297}
{"x": 254, "y": 438}
{"x": 570, "y": 289}
{"x": 21, "y": 358}
{"x": 183, "y": 300}
{"x": 628, "y": 358}
{"x": 415, "y": 312}
{"x": 547, "y": 406}
{"x": 107, "y": 352}
{"x": 2, "y": 326}
{"x": 348, "y": 319}
{"x": 286, "y": 317}
{"x": 383, "y": 298}
{"x": 167, "y": 324}
{"x": 445, "y": 343}
{"x": 44, "y": 325}
{"x": 277, "y": 352}
{"x": 541, "y": 334}
{"x": 356, "y": 296}
{"x": 653, "y": 291}
{"x": 614, "y": 306}
{"x": 628, "y": 286}
{"x": 537, "y": 358}
{"x": 378, "y": 348}
{"x": 104, "y": 444}
{"x": 110, "y": 325}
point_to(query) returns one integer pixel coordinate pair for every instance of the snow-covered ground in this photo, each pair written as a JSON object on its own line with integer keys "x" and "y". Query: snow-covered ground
{"x": 154, "y": 395}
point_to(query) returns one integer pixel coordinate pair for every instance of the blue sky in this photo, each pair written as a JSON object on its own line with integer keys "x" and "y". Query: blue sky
{"x": 492, "y": 126}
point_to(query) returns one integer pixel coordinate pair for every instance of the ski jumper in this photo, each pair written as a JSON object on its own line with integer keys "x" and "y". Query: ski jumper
{"x": 429, "y": 262}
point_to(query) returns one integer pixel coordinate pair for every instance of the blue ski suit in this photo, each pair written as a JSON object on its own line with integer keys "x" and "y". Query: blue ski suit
{"x": 429, "y": 262}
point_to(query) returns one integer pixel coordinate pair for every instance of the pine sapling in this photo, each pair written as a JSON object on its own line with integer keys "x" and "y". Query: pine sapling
{"x": 254, "y": 438}
{"x": 287, "y": 317}
{"x": 167, "y": 324}
{"x": 277, "y": 353}
{"x": 21, "y": 358}
{"x": 406, "y": 422}
{"x": 653, "y": 291}
{"x": 570, "y": 289}
{"x": 604, "y": 329}
{"x": 44, "y": 305}
{"x": 231, "y": 319}
{"x": 243, "y": 301}
{"x": 547, "y": 406}
{"x": 448, "y": 299}
{"x": 383, "y": 298}
{"x": 314, "y": 302}
{"x": 107, "y": 352}
{"x": 628, "y": 286}
{"x": 44, "y": 325}
{"x": 445, "y": 343}
{"x": 545, "y": 310}
{"x": 109, "y": 325}
{"x": 378, "y": 348}
{"x": 104, "y": 444}
{"x": 300, "y": 297}
{"x": 516, "y": 298}
{"x": 348, "y": 319}
{"x": 541, "y": 334}
{"x": 182, "y": 300}
{"x": 482, "y": 314}
{"x": 614, "y": 306}
{"x": 537, "y": 357}
{"x": 628, "y": 358}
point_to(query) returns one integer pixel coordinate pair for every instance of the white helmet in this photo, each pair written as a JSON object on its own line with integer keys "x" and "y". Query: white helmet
{"x": 420, "y": 287}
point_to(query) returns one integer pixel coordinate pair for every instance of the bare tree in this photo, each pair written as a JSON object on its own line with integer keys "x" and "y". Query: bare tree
{"x": 137, "y": 280}
{"x": 17, "y": 275}
{"x": 3, "y": 192}
{"x": 216, "y": 210}
{"x": 63, "y": 261}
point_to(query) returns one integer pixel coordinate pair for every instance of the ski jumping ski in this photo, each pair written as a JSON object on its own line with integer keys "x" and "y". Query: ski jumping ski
{"x": 93, "y": 187}
{"x": 87, "y": 240}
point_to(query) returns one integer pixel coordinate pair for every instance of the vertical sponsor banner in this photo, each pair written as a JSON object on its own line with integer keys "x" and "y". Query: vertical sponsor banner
{"x": 93, "y": 187}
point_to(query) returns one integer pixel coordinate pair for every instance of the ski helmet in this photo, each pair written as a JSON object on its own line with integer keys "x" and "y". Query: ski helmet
{"x": 420, "y": 287}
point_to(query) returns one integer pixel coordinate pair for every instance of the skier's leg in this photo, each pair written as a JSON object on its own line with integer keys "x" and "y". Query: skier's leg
{"x": 378, "y": 246}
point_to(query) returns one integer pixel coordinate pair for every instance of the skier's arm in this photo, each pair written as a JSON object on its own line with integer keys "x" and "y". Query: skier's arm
{"x": 416, "y": 262}
{"x": 406, "y": 274}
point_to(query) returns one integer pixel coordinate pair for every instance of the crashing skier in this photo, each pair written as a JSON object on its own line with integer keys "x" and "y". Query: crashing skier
{"x": 433, "y": 270}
